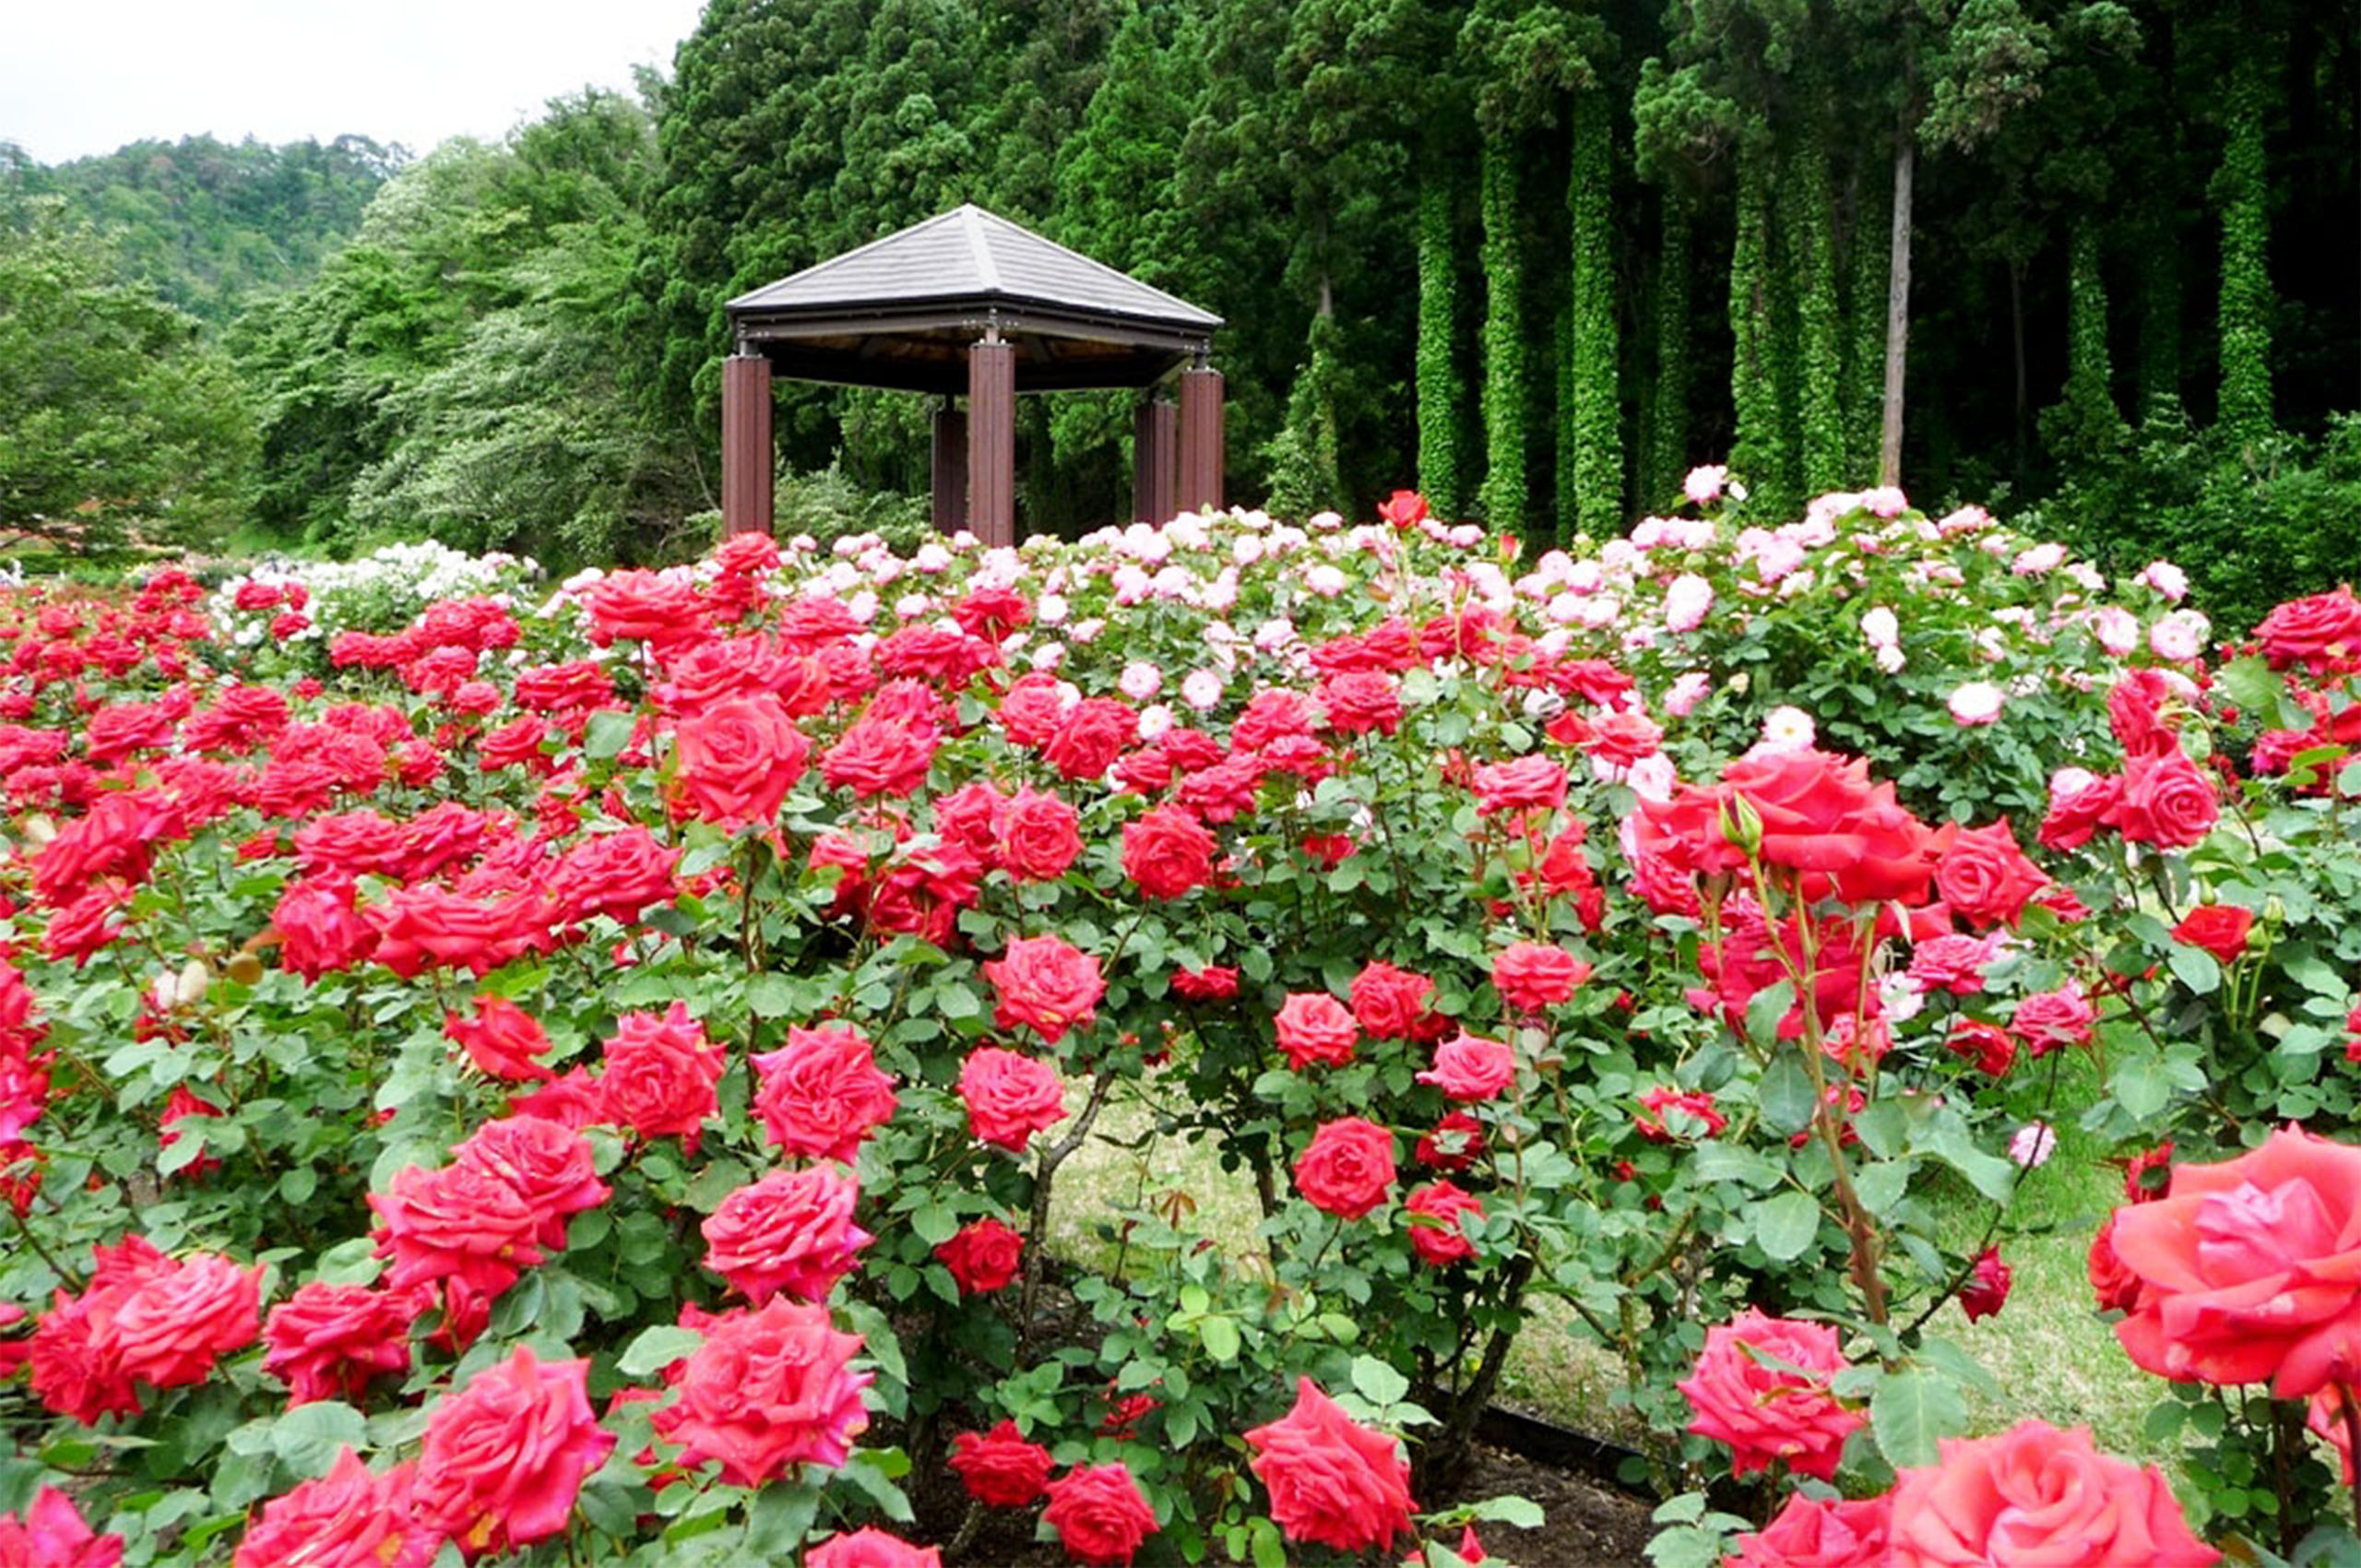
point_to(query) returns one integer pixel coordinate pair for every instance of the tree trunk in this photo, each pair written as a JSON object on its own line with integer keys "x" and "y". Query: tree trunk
{"x": 1505, "y": 392}
{"x": 1897, "y": 309}
{"x": 1439, "y": 390}
{"x": 1864, "y": 267}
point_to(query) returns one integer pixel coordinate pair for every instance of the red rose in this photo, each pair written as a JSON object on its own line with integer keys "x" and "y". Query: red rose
{"x": 1696, "y": 1115}
{"x": 1623, "y": 738}
{"x": 661, "y": 1072}
{"x": 2051, "y": 1018}
{"x": 738, "y": 759}
{"x": 1469, "y": 1067}
{"x": 2035, "y": 1494}
{"x": 982, "y": 1257}
{"x": 2218, "y": 929}
{"x": 53, "y": 1535}
{"x": 999, "y": 1468}
{"x": 347, "y": 1516}
{"x": 1816, "y": 1532}
{"x": 1212, "y": 983}
{"x": 2250, "y": 1269}
{"x": 320, "y": 927}
{"x": 1520, "y": 785}
{"x": 1454, "y": 1144}
{"x": 504, "y": 1457}
{"x": 1040, "y": 837}
{"x": 1985, "y": 878}
{"x": 1314, "y": 1026}
{"x": 1432, "y": 1213}
{"x": 1347, "y": 1168}
{"x": 2323, "y": 631}
{"x": 660, "y": 609}
{"x": 1775, "y": 1407}
{"x": 1168, "y": 853}
{"x": 821, "y": 1094}
{"x": 1046, "y": 983}
{"x": 2166, "y": 801}
{"x": 1099, "y": 1514}
{"x": 792, "y": 1232}
{"x": 1357, "y": 701}
{"x": 1986, "y": 1290}
{"x": 502, "y": 1040}
{"x": 460, "y": 1222}
{"x": 1403, "y": 508}
{"x": 1390, "y": 1003}
{"x": 329, "y": 1341}
{"x": 768, "y": 1389}
{"x": 1333, "y": 1482}
{"x": 2116, "y": 1286}
{"x": 880, "y": 756}
{"x": 1091, "y": 737}
{"x": 1532, "y": 975}
{"x": 869, "y": 1546}
{"x": 1010, "y": 1096}
{"x": 1986, "y": 1045}
{"x": 1954, "y": 964}
{"x": 424, "y": 928}
{"x": 615, "y": 875}
{"x": 171, "y": 1326}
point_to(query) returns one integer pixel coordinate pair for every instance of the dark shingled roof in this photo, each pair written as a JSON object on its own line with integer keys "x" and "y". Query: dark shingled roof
{"x": 969, "y": 254}
{"x": 902, "y": 311}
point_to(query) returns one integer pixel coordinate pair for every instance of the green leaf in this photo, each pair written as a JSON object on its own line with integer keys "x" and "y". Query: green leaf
{"x": 771, "y": 996}
{"x": 655, "y": 1349}
{"x": 309, "y": 1436}
{"x": 935, "y": 1224}
{"x": 1786, "y": 1093}
{"x": 1912, "y": 1408}
{"x": 1521, "y": 1511}
{"x": 1785, "y": 1224}
{"x": 1221, "y": 1339}
{"x": 2140, "y": 1085}
{"x": 1988, "y": 1173}
{"x": 2196, "y": 969}
{"x": 608, "y": 733}
{"x": 1768, "y": 1006}
{"x": 1378, "y": 1384}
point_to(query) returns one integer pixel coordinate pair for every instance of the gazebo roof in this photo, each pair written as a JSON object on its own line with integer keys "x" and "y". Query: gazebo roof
{"x": 901, "y": 311}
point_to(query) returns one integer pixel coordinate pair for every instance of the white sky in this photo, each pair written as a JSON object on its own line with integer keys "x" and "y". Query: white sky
{"x": 80, "y": 76}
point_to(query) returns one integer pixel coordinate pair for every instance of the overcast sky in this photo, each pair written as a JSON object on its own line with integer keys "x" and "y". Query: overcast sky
{"x": 80, "y": 77}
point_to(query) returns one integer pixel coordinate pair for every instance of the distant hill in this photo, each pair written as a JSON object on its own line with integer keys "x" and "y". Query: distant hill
{"x": 211, "y": 223}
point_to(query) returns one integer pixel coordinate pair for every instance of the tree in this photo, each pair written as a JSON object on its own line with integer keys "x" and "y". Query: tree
{"x": 1596, "y": 428}
{"x": 117, "y": 421}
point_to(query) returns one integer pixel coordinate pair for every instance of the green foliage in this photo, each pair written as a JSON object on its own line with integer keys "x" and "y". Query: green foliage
{"x": 117, "y": 421}
{"x": 1442, "y": 393}
{"x": 1597, "y": 426}
{"x": 1504, "y": 495}
{"x": 1759, "y": 451}
{"x": 2242, "y": 187}
{"x": 210, "y": 225}
{"x": 1667, "y": 390}
{"x": 2085, "y": 426}
{"x": 1811, "y": 237}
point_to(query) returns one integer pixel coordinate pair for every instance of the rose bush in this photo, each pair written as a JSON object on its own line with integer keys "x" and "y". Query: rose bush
{"x": 592, "y": 1074}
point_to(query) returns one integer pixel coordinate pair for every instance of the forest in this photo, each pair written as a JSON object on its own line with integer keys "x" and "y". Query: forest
{"x": 1536, "y": 258}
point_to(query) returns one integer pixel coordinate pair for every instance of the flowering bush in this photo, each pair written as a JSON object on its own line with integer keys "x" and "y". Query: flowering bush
{"x": 592, "y": 1075}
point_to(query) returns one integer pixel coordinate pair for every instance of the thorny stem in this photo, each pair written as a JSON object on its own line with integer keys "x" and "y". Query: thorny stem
{"x": 59, "y": 1270}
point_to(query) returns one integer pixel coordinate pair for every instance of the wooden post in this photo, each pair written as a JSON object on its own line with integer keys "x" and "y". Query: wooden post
{"x": 991, "y": 440}
{"x": 950, "y": 467}
{"x": 1154, "y": 430}
{"x": 1201, "y": 439}
{"x": 747, "y": 457}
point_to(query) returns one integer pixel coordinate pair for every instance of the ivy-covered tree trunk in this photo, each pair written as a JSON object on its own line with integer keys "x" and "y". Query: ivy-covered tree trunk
{"x": 1440, "y": 396}
{"x": 1897, "y": 307}
{"x": 1669, "y": 408}
{"x": 1818, "y": 364}
{"x": 1566, "y": 452}
{"x": 1305, "y": 474}
{"x": 1758, "y": 450}
{"x": 1505, "y": 389}
{"x": 2091, "y": 425}
{"x": 2159, "y": 308}
{"x": 1597, "y": 401}
{"x": 1866, "y": 246}
{"x": 2242, "y": 190}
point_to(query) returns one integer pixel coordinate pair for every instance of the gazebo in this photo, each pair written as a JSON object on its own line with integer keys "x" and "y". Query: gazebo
{"x": 969, "y": 302}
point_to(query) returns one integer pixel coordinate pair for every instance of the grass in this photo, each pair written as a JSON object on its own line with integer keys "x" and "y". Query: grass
{"x": 2050, "y": 1353}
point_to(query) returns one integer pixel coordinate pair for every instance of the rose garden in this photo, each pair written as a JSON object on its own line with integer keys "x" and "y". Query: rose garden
{"x": 503, "y": 1070}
